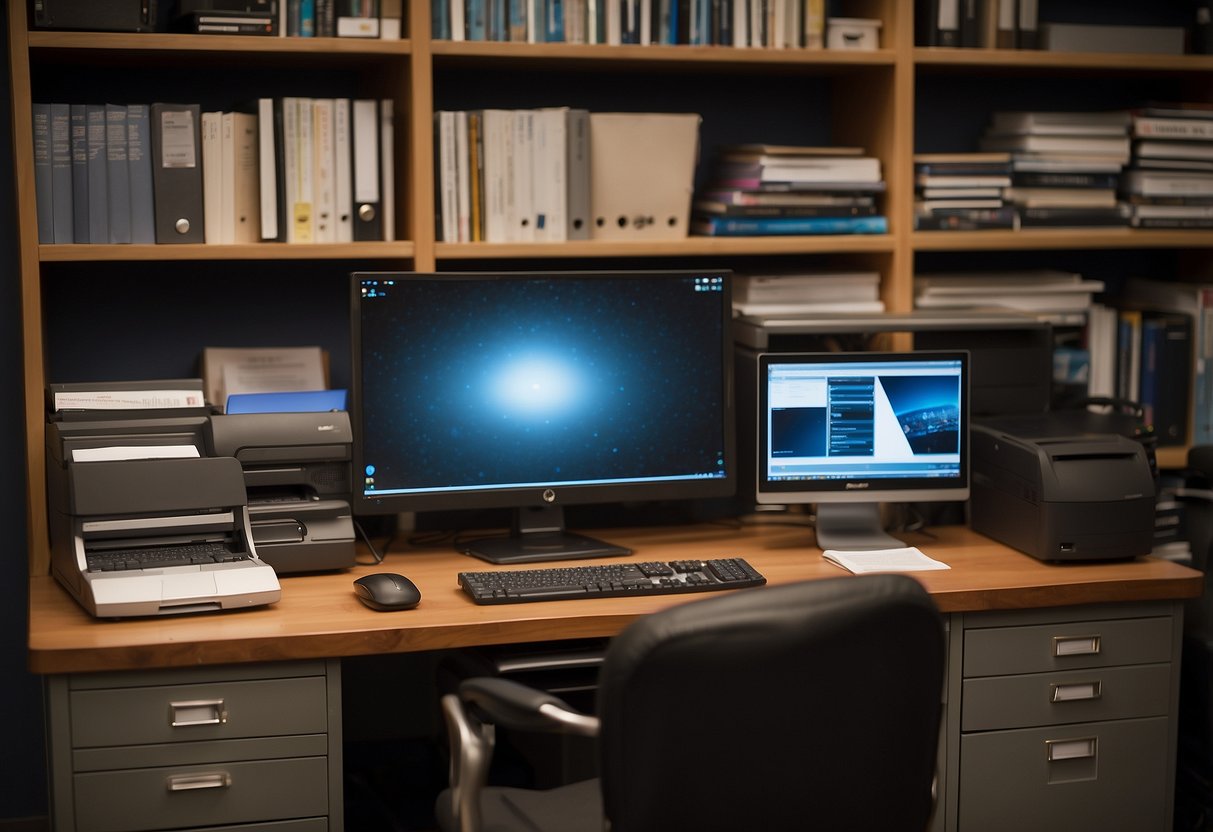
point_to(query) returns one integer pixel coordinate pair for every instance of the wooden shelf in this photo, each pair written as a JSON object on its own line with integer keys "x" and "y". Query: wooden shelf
{"x": 692, "y": 246}
{"x": 233, "y": 44}
{"x": 1058, "y": 238}
{"x": 1028, "y": 59}
{"x": 248, "y": 251}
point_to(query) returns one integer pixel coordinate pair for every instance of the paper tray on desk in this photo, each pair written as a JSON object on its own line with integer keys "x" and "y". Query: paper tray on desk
{"x": 642, "y": 171}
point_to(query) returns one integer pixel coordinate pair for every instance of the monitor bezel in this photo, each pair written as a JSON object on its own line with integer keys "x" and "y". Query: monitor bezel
{"x": 861, "y": 489}
{"x": 543, "y": 496}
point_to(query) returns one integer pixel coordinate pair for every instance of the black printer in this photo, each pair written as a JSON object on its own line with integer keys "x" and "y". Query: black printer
{"x": 297, "y": 474}
{"x": 1046, "y": 486}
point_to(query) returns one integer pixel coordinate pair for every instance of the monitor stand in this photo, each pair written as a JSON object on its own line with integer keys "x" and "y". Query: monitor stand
{"x": 537, "y": 534}
{"x": 852, "y": 527}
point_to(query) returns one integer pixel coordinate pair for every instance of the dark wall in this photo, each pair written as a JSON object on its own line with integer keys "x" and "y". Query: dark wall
{"x": 22, "y": 756}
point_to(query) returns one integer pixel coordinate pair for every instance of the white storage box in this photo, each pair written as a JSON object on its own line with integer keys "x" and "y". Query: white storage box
{"x": 642, "y": 170}
{"x": 852, "y": 33}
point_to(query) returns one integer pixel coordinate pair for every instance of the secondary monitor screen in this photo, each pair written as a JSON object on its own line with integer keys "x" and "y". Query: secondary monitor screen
{"x": 531, "y": 391}
{"x": 862, "y": 428}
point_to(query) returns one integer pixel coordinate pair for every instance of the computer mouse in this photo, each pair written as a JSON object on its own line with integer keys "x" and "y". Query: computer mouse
{"x": 387, "y": 591}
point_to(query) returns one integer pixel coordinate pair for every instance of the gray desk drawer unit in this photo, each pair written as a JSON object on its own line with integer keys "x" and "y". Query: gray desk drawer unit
{"x": 1066, "y": 718}
{"x": 221, "y": 749}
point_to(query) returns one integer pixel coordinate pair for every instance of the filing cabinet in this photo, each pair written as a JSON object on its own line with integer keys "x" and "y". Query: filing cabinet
{"x": 1058, "y": 710}
{"x": 254, "y": 747}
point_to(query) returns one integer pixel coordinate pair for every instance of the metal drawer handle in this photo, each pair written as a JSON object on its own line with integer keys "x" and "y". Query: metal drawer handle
{"x": 206, "y": 780}
{"x": 197, "y": 712}
{"x": 1075, "y": 645}
{"x": 1076, "y": 691}
{"x": 1070, "y": 749}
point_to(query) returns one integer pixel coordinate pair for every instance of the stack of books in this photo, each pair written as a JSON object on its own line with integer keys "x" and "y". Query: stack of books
{"x": 757, "y": 189}
{"x": 780, "y": 294}
{"x": 1170, "y": 180}
{"x": 1065, "y": 165}
{"x": 962, "y": 191}
{"x": 1048, "y": 293}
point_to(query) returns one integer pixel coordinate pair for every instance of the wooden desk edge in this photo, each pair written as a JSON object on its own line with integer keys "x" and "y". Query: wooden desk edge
{"x": 319, "y": 618}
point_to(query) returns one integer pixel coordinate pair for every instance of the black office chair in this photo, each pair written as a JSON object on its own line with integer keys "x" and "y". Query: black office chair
{"x": 813, "y": 705}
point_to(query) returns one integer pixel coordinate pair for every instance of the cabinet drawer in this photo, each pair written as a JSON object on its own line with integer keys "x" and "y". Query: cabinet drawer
{"x": 222, "y": 710}
{"x": 131, "y": 800}
{"x": 298, "y": 825}
{"x": 1067, "y": 646}
{"x": 998, "y": 702}
{"x": 1103, "y": 775}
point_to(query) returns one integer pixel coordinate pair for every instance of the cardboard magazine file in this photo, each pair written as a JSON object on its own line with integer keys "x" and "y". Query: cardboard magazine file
{"x": 642, "y": 170}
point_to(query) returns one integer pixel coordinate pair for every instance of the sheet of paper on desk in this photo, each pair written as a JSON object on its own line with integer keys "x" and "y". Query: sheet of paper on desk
{"x": 124, "y": 452}
{"x": 907, "y": 559}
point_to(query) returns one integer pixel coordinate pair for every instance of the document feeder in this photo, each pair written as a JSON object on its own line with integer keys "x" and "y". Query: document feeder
{"x": 150, "y": 504}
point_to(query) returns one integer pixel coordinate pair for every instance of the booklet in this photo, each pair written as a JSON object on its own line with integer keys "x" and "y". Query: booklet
{"x": 907, "y": 559}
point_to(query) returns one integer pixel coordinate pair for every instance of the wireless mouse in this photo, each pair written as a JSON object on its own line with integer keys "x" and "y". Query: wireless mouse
{"x": 387, "y": 591}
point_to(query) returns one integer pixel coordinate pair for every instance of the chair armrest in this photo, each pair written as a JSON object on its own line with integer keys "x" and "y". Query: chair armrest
{"x": 509, "y": 703}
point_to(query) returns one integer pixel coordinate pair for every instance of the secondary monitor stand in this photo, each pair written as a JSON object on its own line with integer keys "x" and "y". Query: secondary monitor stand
{"x": 537, "y": 534}
{"x": 852, "y": 527}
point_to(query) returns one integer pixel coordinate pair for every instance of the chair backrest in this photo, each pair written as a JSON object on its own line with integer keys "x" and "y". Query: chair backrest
{"x": 813, "y": 705}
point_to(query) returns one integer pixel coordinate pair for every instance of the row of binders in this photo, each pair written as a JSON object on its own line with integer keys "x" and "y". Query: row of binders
{"x": 783, "y": 24}
{"x": 997, "y": 24}
{"x": 298, "y": 170}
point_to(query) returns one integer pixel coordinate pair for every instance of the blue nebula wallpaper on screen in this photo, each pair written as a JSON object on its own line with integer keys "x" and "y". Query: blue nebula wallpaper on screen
{"x": 474, "y": 383}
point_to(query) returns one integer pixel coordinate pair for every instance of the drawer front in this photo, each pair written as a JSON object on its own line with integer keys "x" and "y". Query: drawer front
{"x": 300, "y": 825}
{"x": 176, "y": 713}
{"x": 1089, "y": 695}
{"x": 1067, "y": 646}
{"x": 1108, "y": 776}
{"x": 198, "y": 796}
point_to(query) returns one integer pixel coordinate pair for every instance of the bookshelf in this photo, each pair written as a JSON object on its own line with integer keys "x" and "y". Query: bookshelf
{"x": 886, "y": 101}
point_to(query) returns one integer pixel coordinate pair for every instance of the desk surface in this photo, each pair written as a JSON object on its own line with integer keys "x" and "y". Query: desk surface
{"x": 319, "y": 616}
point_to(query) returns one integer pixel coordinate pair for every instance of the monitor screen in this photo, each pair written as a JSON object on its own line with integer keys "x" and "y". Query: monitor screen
{"x": 858, "y": 429}
{"x": 536, "y": 390}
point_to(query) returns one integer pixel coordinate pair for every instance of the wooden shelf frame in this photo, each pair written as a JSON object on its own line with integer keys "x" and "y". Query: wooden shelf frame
{"x": 872, "y": 105}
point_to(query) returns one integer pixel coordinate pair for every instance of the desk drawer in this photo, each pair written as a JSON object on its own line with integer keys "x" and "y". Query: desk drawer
{"x": 132, "y": 800}
{"x": 1103, "y": 693}
{"x": 220, "y": 710}
{"x": 1067, "y": 646}
{"x": 298, "y": 825}
{"x": 1104, "y": 775}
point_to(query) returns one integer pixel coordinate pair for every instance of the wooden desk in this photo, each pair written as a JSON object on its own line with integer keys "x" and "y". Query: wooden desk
{"x": 319, "y": 616}
{"x": 1006, "y": 614}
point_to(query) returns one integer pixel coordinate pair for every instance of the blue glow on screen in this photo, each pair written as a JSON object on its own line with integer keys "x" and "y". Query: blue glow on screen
{"x": 488, "y": 383}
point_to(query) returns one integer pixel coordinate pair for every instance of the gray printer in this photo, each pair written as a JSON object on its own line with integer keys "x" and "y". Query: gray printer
{"x": 297, "y": 475}
{"x": 1059, "y": 494}
{"x": 141, "y": 490}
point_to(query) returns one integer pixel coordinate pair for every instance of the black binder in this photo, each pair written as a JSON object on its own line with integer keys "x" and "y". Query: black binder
{"x": 177, "y": 172}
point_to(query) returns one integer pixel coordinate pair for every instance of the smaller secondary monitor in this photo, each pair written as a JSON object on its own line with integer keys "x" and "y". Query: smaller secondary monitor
{"x": 531, "y": 391}
{"x": 848, "y": 431}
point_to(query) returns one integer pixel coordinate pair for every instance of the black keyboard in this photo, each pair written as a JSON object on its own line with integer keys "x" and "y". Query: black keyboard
{"x": 157, "y": 557}
{"x": 609, "y": 580}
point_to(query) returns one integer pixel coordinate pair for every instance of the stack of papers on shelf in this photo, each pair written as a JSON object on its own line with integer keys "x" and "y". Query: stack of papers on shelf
{"x": 796, "y": 293}
{"x": 1036, "y": 290}
{"x": 907, "y": 559}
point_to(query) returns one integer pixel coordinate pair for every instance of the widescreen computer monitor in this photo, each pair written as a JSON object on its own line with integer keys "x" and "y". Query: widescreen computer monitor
{"x": 848, "y": 431}
{"x": 533, "y": 391}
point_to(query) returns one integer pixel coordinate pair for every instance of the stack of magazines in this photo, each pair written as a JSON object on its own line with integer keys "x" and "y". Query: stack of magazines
{"x": 779, "y": 189}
